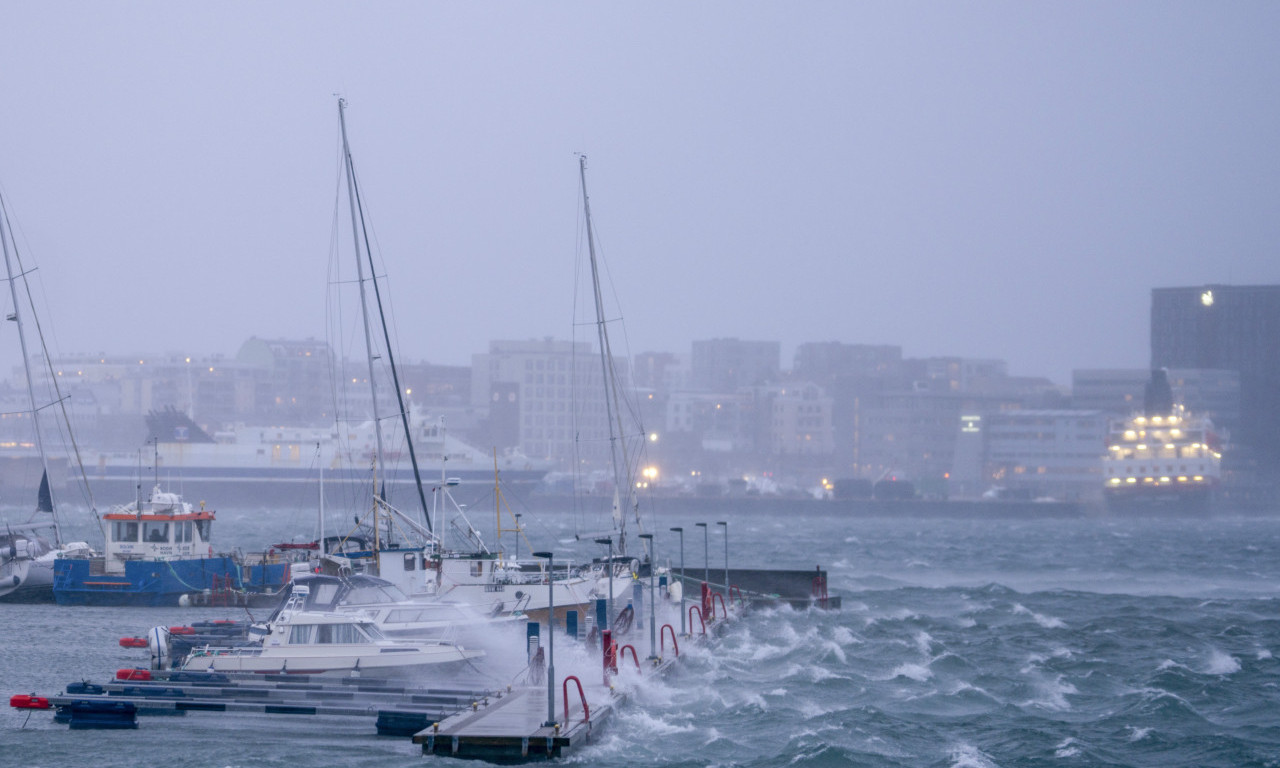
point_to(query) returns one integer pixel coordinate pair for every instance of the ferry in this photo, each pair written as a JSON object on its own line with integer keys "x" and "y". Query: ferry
{"x": 254, "y": 464}
{"x": 1164, "y": 460}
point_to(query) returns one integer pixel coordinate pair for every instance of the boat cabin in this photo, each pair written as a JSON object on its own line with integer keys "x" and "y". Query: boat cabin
{"x": 164, "y": 527}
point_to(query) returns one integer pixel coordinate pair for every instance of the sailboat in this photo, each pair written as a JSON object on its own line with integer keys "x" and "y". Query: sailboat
{"x": 427, "y": 569}
{"x": 624, "y": 498}
{"x": 28, "y": 550}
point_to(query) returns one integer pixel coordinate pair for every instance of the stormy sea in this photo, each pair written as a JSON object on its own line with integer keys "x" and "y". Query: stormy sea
{"x": 961, "y": 643}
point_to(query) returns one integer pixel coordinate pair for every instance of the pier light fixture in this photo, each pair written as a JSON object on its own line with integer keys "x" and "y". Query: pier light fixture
{"x": 725, "y": 524}
{"x": 680, "y": 531}
{"x": 551, "y": 639}
{"x": 653, "y": 605}
{"x": 608, "y": 619}
{"x": 706, "y": 559}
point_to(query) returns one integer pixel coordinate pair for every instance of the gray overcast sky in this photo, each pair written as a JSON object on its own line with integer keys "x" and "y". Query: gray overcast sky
{"x": 981, "y": 179}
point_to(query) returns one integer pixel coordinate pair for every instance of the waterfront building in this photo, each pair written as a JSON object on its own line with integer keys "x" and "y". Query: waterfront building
{"x": 1226, "y": 327}
{"x": 1046, "y": 453}
{"x": 554, "y": 390}
{"x": 801, "y": 422}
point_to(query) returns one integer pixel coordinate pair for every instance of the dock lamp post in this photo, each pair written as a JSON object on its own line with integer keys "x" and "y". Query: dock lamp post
{"x": 608, "y": 619}
{"x": 706, "y": 560}
{"x": 551, "y": 640}
{"x": 681, "y": 532}
{"x": 726, "y": 559}
{"x": 517, "y": 537}
{"x": 653, "y": 606}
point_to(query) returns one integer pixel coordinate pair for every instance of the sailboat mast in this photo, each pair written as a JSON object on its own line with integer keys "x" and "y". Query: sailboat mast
{"x": 364, "y": 307}
{"x": 621, "y": 480}
{"x": 353, "y": 195}
{"x": 26, "y": 363}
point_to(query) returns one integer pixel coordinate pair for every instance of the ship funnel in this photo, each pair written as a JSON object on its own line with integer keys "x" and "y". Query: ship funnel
{"x": 1157, "y": 396}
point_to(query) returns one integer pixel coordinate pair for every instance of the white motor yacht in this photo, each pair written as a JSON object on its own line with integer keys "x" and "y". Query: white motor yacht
{"x": 299, "y": 641}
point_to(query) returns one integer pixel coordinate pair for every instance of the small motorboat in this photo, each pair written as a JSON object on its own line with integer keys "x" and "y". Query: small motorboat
{"x": 300, "y": 641}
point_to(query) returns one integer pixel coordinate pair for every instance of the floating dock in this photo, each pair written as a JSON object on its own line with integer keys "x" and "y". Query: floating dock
{"x": 542, "y": 719}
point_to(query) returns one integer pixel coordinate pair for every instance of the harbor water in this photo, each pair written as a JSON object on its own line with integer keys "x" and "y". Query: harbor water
{"x": 962, "y": 642}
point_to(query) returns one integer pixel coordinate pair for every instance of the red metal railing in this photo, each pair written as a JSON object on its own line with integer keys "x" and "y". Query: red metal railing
{"x": 663, "y": 637}
{"x": 564, "y": 694}
{"x": 701, "y": 622}
{"x": 622, "y": 652}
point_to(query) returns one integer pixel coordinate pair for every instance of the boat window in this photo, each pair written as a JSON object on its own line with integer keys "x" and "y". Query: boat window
{"x": 203, "y": 527}
{"x": 405, "y": 616}
{"x": 477, "y": 567}
{"x": 156, "y": 532}
{"x": 344, "y": 634}
{"x": 125, "y": 531}
{"x": 302, "y": 634}
{"x": 367, "y": 595}
{"x": 182, "y": 532}
{"x": 410, "y": 561}
{"x": 322, "y": 595}
{"x": 370, "y": 630}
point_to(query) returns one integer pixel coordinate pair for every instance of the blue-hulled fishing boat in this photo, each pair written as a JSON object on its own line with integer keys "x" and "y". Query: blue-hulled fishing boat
{"x": 158, "y": 552}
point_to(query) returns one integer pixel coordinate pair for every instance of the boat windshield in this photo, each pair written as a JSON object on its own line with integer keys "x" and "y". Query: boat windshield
{"x": 374, "y": 594}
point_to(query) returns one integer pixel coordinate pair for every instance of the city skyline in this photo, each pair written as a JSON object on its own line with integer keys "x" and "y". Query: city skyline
{"x": 989, "y": 181}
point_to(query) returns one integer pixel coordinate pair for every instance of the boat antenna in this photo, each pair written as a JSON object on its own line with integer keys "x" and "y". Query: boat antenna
{"x": 357, "y": 210}
{"x": 26, "y": 362}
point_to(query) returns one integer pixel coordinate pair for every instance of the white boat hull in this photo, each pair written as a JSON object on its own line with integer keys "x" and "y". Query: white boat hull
{"x": 384, "y": 661}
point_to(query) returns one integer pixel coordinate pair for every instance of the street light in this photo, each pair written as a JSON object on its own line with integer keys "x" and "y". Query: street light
{"x": 608, "y": 619}
{"x": 518, "y": 537}
{"x": 551, "y": 640}
{"x": 726, "y": 559}
{"x": 653, "y": 606}
{"x": 706, "y": 560}
{"x": 681, "y": 532}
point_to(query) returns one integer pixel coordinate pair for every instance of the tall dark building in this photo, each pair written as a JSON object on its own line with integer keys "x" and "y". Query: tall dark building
{"x": 1228, "y": 327}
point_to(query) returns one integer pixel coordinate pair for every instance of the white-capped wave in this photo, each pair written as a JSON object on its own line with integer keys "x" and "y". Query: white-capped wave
{"x": 1169, "y": 664}
{"x": 844, "y": 636}
{"x": 1053, "y": 694}
{"x": 1263, "y": 654}
{"x": 1221, "y": 663}
{"x": 649, "y": 725}
{"x": 1067, "y": 748}
{"x": 835, "y": 650}
{"x": 924, "y": 642}
{"x": 917, "y": 672}
{"x": 1048, "y": 622}
{"x": 1136, "y": 733}
{"x": 969, "y": 756}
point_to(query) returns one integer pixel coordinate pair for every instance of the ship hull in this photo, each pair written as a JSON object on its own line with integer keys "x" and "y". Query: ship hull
{"x": 1160, "y": 502}
{"x": 158, "y": 582}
